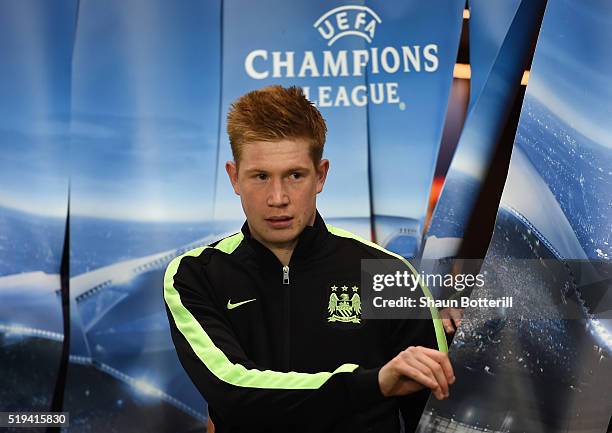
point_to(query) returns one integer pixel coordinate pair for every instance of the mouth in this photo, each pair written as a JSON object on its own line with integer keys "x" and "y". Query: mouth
{"x": 279, "y": 222}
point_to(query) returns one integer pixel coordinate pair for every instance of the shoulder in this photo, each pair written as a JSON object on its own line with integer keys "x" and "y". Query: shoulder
{"x": 367, "y": 248}
{"x": 203, "y": 254}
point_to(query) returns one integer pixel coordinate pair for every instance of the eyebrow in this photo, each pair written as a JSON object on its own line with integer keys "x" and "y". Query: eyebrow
{"x": 290, "y": 170}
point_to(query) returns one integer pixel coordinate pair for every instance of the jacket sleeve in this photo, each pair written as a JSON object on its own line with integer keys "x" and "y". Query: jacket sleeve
{"x": 414, "y": 332}
{"x": 237, "y": 389}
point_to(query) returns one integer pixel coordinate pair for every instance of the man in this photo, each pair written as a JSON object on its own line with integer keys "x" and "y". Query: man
{"x": 255, "y": 317}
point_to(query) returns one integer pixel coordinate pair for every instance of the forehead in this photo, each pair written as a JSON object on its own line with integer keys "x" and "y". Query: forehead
{"x": 281, "y": 154}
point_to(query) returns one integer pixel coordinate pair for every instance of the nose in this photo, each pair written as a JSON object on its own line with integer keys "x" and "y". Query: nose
{"x": 277, "y": 195}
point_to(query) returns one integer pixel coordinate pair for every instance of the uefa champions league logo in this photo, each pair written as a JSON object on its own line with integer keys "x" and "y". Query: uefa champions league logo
{"x": 347, "y": 20}
{"x": 383, "y": 65}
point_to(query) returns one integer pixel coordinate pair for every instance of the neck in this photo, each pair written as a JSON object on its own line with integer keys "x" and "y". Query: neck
{"x": 283, "y": 253}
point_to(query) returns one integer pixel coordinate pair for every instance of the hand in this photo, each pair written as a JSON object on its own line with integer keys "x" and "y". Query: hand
{"x": 450, "y": 315}
{"x": 414, "y": 369}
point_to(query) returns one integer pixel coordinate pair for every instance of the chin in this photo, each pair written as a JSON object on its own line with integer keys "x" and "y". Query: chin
{"x": 281, "y": 236}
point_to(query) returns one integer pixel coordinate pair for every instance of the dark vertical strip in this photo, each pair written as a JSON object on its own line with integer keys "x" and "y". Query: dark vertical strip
{"x": 57, "y": 403}
{"x": 464, "y": 39}
{"x": 219, "y": 122}
{"x": 481, "y": 225}
{"x": 369, "y": 156}
{"x": 451, "y": 135}
{"x": 479, "y": 229}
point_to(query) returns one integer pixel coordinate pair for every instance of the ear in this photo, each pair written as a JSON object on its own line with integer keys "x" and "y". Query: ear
{"x": 232, "y": 172}
{"x": 322, "y": 169}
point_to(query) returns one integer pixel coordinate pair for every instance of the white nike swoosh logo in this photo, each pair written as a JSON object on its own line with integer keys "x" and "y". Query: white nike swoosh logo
{"x": 231, "y": 306}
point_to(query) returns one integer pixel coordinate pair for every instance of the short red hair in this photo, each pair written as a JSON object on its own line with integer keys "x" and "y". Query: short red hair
{"x": 274, "y": 113}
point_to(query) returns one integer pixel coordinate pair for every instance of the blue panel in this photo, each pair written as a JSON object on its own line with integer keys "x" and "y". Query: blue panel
{"x": 405, "y": 135}
{"x": 36, "y": 40}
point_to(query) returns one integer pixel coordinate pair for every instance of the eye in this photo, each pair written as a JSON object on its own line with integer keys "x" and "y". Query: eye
{"x": 296, "y": 175}
{"x": 261, "y": 176}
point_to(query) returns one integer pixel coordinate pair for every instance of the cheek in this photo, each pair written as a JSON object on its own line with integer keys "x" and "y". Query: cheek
{"x": 305, "y": 197}
{"x": 252, "y": 196}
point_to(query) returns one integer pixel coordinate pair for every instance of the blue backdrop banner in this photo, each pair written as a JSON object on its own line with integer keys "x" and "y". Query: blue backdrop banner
{"x": 35, "y": 52}
{"x": 546, "y": 364}
{"x": 417, "y": 44}
{"x": 483, "y": 128}
{"x": 144, "y": 144}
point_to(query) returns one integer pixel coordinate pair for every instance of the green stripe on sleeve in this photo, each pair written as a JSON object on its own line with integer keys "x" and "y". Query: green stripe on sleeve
{"x": 213, "y": 358}
{"x": 435, "y": 315}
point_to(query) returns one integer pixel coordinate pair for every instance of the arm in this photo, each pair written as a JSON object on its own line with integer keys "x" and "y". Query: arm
{"x": 235, "y": 387}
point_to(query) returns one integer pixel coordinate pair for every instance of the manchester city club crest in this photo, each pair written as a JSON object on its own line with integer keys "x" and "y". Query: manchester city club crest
{"x": 344, "y": 304}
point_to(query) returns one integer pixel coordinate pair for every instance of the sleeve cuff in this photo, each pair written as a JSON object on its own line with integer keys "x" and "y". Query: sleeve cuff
{"x": 363, "y": 388}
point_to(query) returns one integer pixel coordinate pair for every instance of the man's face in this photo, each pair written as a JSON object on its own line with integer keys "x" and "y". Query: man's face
{"x": 277, "y": 183}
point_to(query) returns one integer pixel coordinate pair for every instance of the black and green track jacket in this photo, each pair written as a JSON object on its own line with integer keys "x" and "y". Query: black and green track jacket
{"x": 269, "y": 348}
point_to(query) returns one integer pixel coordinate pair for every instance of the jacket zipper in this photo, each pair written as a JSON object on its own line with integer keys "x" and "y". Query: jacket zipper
{"x": 288, "y": 320}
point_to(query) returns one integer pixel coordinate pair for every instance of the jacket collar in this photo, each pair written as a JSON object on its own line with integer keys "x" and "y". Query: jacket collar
{"x": 310, "y": 241}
